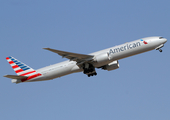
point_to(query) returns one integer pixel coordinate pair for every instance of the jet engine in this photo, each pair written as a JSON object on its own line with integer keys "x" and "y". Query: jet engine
{"x": 102, "y": 59}
{"x": 111, "y": 66}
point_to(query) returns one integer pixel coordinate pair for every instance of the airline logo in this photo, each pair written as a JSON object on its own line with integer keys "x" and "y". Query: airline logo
{"x": 22, "y": 69}
{"x": 144, "y": 41}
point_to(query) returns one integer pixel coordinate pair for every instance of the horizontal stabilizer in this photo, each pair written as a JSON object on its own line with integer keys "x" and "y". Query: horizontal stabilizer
{"x": 15, "y": 76}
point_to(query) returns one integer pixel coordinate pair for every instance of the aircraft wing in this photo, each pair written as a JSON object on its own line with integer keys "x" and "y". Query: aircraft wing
{"x": 72, "y": 56}
{"x": 15, "y": 76}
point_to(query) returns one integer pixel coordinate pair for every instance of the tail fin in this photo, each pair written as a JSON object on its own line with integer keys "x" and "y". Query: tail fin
{"x": 20, "y": 68}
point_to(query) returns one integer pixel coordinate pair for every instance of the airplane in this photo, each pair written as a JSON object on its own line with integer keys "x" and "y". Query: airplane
{"x": 106, "y": 59}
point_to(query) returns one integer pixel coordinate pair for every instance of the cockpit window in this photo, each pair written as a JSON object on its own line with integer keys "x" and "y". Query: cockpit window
{"x": 161, "y": 37}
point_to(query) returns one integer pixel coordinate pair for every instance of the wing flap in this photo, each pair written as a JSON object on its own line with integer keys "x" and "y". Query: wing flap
{"x": 72, "y": 56}
{"x": 15, "y": 76}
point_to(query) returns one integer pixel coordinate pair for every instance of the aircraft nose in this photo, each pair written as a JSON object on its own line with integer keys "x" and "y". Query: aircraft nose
{"x": 164, "y": 40}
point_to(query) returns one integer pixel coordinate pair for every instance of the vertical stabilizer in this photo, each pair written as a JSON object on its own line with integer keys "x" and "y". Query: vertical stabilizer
{"x": 20, "y": 68}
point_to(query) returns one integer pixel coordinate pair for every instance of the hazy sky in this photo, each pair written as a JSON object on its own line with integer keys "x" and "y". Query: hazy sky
{"x": 138, "y": 90}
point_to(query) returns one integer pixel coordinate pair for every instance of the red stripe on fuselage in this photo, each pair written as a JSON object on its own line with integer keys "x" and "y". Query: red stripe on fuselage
{"x": 31, "y": 77}
{"x": 27, "y": 73}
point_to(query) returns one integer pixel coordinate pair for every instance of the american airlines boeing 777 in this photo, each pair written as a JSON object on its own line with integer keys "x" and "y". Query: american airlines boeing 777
{"x": 106, "y": 59}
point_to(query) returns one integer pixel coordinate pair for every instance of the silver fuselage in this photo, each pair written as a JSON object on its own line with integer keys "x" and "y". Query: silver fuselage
{"x": 114, "y": 53}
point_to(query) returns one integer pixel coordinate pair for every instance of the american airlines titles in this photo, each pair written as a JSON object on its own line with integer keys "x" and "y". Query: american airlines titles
{"x": 125, "y": 47}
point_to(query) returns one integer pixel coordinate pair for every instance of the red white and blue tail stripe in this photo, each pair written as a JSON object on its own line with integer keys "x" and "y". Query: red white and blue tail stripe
{"x": 20, "y": 68}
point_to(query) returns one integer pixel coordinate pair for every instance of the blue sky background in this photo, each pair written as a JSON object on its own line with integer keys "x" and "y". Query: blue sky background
{"x": 138, "y": 90}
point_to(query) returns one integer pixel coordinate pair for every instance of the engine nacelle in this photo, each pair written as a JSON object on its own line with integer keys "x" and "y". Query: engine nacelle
{"x": 111, "y": 66}
{"x": 102, "y": 59}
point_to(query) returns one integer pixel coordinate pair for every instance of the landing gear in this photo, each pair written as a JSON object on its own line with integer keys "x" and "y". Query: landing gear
{"x": 159, "y": 47}
{"x": 89, "y": 69}
{"x": 160, "y": 50}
